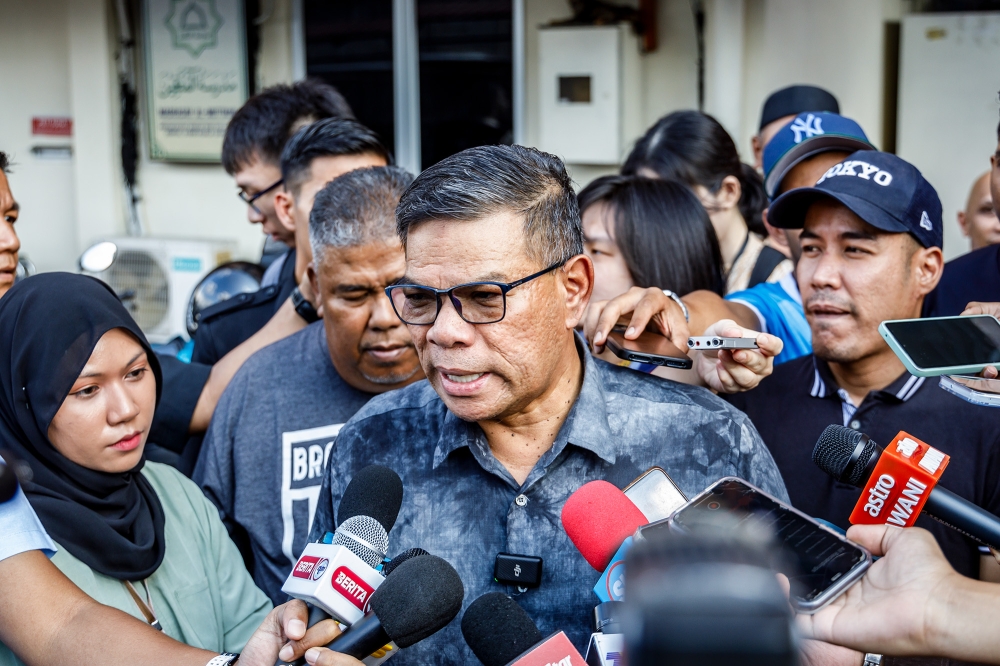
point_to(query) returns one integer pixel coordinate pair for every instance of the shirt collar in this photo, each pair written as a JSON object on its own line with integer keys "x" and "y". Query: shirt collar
{"x": 823, "y": 384}
{"x": 586, "y": 426}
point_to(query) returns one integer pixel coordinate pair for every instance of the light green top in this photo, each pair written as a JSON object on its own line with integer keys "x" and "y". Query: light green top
{"x": 202, "y": 593}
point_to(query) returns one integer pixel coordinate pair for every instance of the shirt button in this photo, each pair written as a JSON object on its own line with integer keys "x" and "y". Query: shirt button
{"x": 521, "y": 500}
{"x": 855, "y": 424}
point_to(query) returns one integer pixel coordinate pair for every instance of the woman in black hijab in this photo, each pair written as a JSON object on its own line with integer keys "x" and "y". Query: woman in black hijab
{"x": 78, "y": 387}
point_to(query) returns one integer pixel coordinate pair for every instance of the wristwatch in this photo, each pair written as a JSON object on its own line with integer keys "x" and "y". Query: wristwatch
{"x": 227, "y": 659}
{"x": 303, "y": 307}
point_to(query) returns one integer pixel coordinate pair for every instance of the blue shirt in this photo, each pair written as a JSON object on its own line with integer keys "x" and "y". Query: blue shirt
{"x": 778, "y": 306}
{"x": 21, "y": 528}
{"x": 462, "y": 504}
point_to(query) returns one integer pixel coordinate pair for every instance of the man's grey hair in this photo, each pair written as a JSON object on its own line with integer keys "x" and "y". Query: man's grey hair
{"x": 357, "y": 208}
{"x": 482, "y": 181}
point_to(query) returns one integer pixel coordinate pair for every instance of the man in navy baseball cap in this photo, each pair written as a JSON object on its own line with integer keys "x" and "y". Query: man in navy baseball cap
{"x": 882, "y": 190}
{"x": 871, "y": 251}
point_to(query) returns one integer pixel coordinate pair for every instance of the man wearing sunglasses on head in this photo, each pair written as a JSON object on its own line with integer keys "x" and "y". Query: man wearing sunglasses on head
{"x": 517, "y": 414}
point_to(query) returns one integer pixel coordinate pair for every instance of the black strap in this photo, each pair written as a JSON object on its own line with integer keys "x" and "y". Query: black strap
{"x": 767, "y": 261}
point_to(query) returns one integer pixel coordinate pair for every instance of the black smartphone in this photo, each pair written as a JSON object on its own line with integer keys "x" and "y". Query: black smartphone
{"x": 822, "y": 563}
{"x": 649, "y": 347}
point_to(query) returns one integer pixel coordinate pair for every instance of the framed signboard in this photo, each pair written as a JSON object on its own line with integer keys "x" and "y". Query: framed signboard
{"x": 196, "y": 75}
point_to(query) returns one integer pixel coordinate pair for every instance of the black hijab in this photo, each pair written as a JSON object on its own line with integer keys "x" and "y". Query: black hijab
{"x": 49, "y": 326}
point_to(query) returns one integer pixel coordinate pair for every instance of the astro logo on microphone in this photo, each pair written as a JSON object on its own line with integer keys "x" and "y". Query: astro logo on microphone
{"x": 310, "y": 567}
{"x": 565, "y": 661}
{"x": 351, "y": 587}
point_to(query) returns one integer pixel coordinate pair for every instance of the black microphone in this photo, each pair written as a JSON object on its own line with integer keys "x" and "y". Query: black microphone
{"x": 391, "y": 565}
{"x": 420, "y": 598}
{"x": 374, "y": 491}
{"x": 498, "y": 630}
{"x": 850, "y": 457}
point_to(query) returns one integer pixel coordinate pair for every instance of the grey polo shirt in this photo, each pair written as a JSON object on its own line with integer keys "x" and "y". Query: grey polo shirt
{"x": 460, "y": 503}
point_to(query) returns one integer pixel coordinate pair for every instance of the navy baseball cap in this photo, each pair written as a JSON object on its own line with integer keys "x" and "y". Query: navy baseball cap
{"x": 885, "y": 191}
{"x": 793, "y": 100}
{"x": 807, "y": 135}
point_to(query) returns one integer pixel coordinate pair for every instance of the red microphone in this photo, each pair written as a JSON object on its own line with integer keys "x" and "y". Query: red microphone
{"x": 597, "y": 518}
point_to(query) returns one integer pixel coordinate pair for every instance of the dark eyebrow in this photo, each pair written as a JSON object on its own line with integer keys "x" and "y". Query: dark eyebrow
{"x": 15, "y": 207}
{"x": 354, "y": 287}
{"x": 859, "y": 235}
{"x": 84, "y": 375}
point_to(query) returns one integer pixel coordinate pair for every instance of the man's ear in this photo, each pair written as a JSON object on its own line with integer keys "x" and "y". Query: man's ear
{"x": 577, "y": 277}
{"x": 316, "y": 296}
{"x": 928, "y": 264}
{"x": 283, "y": 204}
{"x": 961, "y": 223}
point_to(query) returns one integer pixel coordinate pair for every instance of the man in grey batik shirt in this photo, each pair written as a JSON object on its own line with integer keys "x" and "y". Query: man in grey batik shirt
{"x": 274, "y": 428}
{"x": 517, "y": 414}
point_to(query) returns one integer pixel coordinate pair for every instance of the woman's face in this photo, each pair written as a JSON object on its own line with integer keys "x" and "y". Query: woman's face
{"x": 611, "y": 275}
{"x": 104, "y": 421}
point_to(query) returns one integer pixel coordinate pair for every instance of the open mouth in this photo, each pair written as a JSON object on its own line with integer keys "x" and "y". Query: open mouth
{"x": 462, "y": 382}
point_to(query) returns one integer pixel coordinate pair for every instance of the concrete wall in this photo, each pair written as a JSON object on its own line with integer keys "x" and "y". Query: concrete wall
{"x": 57, "y": 59}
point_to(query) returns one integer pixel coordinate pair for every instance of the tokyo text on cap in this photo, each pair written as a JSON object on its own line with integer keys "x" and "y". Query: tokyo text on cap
{"x": 885, "y": 191}
{"x": 807, "y": 135}
{"x": 793, "y": 100}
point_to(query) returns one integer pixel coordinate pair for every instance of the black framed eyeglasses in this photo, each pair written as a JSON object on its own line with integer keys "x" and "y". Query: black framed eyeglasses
{"x": 250, "y": 200}
{"x": 475, "y": 302}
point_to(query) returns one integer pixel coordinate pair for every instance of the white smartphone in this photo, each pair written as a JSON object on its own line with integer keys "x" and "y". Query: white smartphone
{"x": 655, "y": 494}
{"x": 944, "y": 345}
{"x": 707, "y": 342}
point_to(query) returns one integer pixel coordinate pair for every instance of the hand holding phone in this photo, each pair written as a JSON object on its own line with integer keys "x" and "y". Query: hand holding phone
{"x": 649, "y": 348}
{"x": 714, "y": 342}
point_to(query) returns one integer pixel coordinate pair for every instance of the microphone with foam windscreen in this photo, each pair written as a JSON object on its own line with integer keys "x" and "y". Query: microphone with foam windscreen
{"x": 598, "y": 517}
{"x": 374, "y": 491}
{"x": 391, "y": 565}
{"x": 600, "y": 521}
{"x": 423, "y": 594}
{"x": 899, "y": 482}
{"x": 499, "y": 632}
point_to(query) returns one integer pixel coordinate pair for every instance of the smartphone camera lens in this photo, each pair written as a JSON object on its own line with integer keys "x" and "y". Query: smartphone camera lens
{"x": 713, "y": 506}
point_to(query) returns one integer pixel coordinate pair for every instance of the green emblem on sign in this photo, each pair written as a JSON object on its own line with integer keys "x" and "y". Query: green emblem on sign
{"x": 193, "y": 25}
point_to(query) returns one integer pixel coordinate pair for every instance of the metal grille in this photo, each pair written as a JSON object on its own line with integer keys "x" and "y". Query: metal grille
{"x": 365, "y": 537}
{"x": 142, "y": 285}
{"x": 834, "y": 450}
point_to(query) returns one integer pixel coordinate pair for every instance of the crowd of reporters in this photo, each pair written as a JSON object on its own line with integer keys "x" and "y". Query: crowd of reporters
{"x": 453, "y": 327}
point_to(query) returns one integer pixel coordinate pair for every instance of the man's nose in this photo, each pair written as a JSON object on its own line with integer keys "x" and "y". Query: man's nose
{"x": 449, "y": 329}
{"x": 8, "y": 237}
{"x": 383, "y": 317}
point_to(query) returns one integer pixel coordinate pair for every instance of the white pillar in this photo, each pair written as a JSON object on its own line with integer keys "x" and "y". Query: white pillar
{"x": 96, "y": 146}
{"x": 406, "y": 84}
{"x": 724, "y": 63}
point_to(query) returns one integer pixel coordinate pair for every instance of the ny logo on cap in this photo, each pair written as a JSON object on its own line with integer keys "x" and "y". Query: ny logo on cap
{"x": 809, "y": 127}
{"x": 925, "y": 221}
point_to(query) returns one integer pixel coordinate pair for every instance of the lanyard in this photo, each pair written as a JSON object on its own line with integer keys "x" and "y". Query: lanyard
{"x": 144, "y": 607}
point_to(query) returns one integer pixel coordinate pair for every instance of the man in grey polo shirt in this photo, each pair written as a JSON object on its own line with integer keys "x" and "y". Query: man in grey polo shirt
{"x": 517, "y": 414}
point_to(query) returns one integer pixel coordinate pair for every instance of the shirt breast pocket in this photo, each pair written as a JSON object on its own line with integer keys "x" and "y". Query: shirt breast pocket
{"x": 197, "y": 615}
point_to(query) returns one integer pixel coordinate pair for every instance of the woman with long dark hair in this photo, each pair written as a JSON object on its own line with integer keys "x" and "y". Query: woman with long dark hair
{"x": 78, "y": 387}
{"x": 694, "y": 148}
{"x": 648, "y": 233}
{"x": 641, "y": 232}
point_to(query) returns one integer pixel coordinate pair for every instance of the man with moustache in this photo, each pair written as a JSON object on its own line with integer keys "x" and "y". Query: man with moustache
{"x": 265, "y": 452}
{"x": 516, "y": 414}
{"x": 871, "y": 251}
